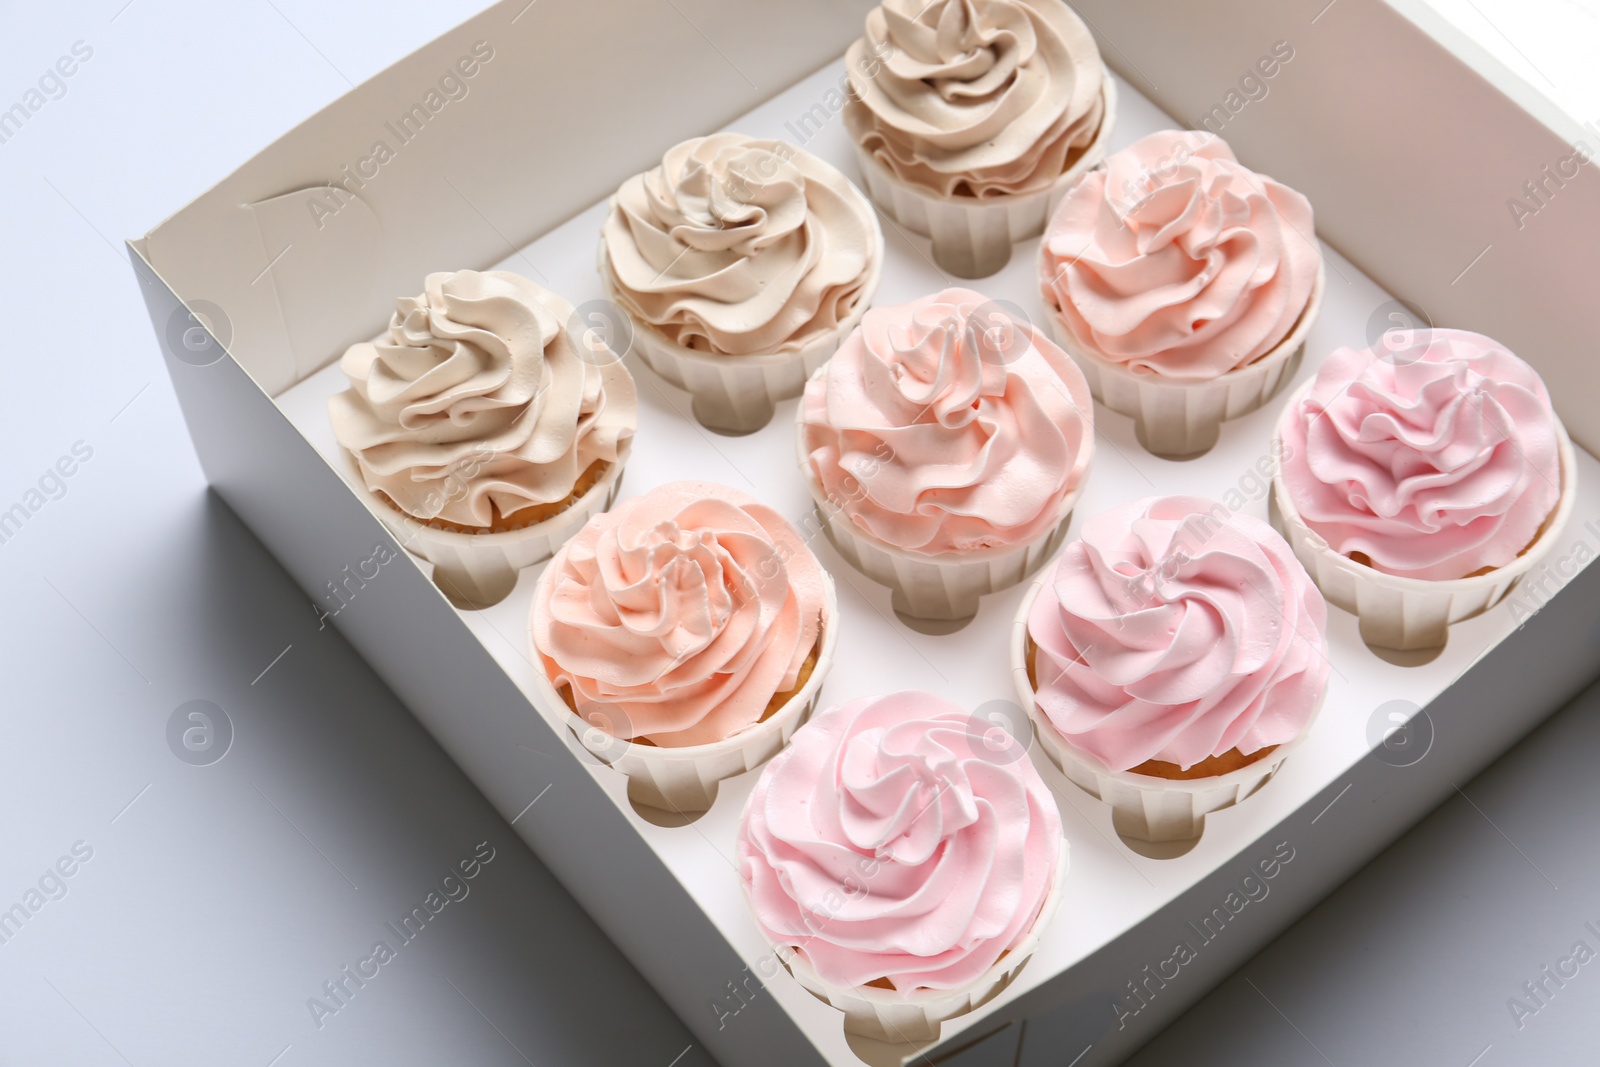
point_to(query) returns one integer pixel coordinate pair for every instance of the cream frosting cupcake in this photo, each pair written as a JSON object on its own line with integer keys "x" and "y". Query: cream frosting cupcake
{"x": 1172, "y": 657}
{"x": 741, "y": 263}
{"x": 1419, "y": 484}
{"x": 483, "y": 433}
{"x": 945, "y": 445}
{"x": 684, "y": 635}
{"x": 972, "y": 117}
{"x": 903, "y": 858}
{"x": 1183, "y": 283}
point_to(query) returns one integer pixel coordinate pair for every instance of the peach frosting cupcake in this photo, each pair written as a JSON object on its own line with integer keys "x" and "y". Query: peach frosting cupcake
{"x": 692, "y": 621}
{"x": 944, "y": 446}
{"x": 1183, "y": 283}
{"x": 686, "y": 610}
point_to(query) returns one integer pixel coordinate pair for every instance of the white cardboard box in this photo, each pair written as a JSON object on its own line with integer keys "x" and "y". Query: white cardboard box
{"x": 256, "y": 291}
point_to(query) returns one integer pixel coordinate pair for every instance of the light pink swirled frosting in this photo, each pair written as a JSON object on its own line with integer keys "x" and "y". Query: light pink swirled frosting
{"x": 738, "y": 246}
{"x": 948, "y": 424}
{"x": 1433, "y": 461}
{"x": 1173, "y": 630}
{"x": 476, "y": 403}
{"x": 678, "y": 615}
{"x": 891, "y": 839}
{"x": 1173, "y": 259}
{"x": 977, "y": 98}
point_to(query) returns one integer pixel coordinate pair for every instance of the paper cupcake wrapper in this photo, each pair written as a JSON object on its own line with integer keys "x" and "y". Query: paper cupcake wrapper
{"x": 1411, "y": 613}
{"x": 972, "y": 238}
{"x": 739, "y": 394}
{"x": 915, "y": 1015}
{"x": 1181, "y": 418}
{"x": 948, "y": 586}
{"x": 684, "y": 781}
{"x": 1143, "y": 807}
{"x": 476, "y": 571}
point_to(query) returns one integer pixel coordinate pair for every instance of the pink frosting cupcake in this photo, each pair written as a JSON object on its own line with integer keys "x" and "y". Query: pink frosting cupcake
{"x": 1174, "y": 642}
{"x": 1436, "y": 471}
{"x": 692, "y": 622}
{"x": 902, "y": 857}
{"x": 1173, "y": 265}
{"x": 946, "y": 437}
{"x": 1436, "y": 462}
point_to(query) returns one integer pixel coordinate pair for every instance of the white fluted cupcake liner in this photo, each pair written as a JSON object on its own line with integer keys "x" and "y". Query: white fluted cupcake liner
{"x": 478, "y": 570}
{"x": 1143, "y": 807}
{"x": 738, "y": 395}
{"x": 915, "y": 1016}
{"x": 684, "y": 781}
{"x": 1411, "y": 613}
{"x": 972, "y": 237}
{"x": 1183, "y": 418}
{"x": 941, "y": 586}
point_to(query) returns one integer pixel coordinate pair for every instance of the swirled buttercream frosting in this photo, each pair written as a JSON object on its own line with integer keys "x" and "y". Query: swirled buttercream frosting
{"x": 1175, "y": 631}
{"x": 948, "y": 424}
{"x": 740, "y": 246}
{"x": 1173, "y": 259}
{"x": 680, "y": 617}
{"x": 978, "y": 98}
{"x": 892, "y": 841}
{"x": 1436, "y": 460}
{"x": 475, "y": 404}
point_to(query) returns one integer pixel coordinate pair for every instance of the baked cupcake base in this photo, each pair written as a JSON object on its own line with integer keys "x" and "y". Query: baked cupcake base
{"x": 478, "y": 570}
{"x": 1411, "y": 613}
{"x": 1143, "y": 807}
{"x": 684, "y": 781}
{"x": 1183, "y": 418}
{"x": 915, "y": 1016}
{"x": 972, "y": 237}
{"x": 737, "y": 395}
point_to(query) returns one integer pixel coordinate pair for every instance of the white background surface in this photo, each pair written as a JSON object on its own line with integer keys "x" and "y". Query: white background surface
{"x": 219, "y": 898}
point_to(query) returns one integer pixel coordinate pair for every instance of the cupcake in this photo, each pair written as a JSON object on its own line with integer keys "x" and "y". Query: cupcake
{"x": 1418, "y": 485}
{"x": 972, "y": 117}
{"x": 683, "y": 636}
{"x": 740, "y": 263}
{"x": 484, "y": 434}
{"x": 945, "y": 445}
{"x": 1172, "y": 658}
{"x": 903, "y": 858}
{"x": 1184, "y": 284}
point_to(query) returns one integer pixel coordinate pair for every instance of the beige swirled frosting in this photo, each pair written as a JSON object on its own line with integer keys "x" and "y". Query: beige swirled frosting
{"x": 975, "y": 98}
{"x": 740, "y": 246}
{"x": 476, "y": 404}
